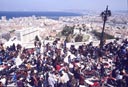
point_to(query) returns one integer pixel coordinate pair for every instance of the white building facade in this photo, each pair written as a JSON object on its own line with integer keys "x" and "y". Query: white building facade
{"x": 27, "y": 35}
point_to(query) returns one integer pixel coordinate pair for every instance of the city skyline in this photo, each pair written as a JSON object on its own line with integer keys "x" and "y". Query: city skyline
{"x": 61, "y": 5}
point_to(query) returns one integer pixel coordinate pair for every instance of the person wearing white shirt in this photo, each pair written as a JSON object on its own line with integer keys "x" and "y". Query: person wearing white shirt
{"x": 51, "y": 80}
{"x": 3, "y": 80}
{"x": 64, "y": 79}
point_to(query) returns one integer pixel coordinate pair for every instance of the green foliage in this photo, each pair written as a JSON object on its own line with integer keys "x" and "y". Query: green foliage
{"x": 68, "y": 38}
{"x": 79, "y": 38}
{"x": 106, "y": 36}
{"x": 67, "y": 30}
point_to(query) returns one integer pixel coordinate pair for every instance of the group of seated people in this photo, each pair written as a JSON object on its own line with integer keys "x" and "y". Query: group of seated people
{"x": 59, "y": 66}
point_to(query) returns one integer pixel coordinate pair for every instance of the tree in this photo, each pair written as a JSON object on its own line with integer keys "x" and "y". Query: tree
{"x": 98, "y": 35}
{"x": 79, "y": 38}
{"x": 68, "y": 38}
{"x": 67, "y": 30}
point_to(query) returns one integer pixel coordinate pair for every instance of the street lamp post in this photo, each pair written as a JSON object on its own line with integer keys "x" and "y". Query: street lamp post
{"x": 105, "y": 14}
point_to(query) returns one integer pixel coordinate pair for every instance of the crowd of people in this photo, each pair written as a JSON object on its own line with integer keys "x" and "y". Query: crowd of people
{"x": 59, "y": 66}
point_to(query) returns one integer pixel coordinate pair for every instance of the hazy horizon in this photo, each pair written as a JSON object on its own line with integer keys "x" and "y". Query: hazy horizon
{"x": 61, "y": 5}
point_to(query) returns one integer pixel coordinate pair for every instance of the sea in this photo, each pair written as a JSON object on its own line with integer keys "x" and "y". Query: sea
{"x": 52, "y": 15}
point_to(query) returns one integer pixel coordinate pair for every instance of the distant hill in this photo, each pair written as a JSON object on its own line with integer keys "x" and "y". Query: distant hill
{"x": 94, "y": 12}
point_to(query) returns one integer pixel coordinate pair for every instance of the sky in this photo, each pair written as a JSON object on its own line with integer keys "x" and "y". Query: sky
{"x": 61, "y": 5}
